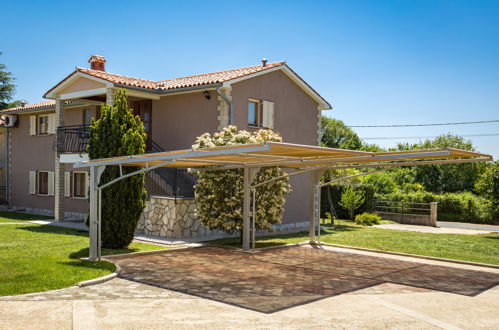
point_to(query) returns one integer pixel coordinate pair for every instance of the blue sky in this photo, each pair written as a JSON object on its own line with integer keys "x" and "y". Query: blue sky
{"x": 376, "y": 62}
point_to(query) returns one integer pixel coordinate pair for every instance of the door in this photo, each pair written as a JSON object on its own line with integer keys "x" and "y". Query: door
{"x": 144, "y": 110}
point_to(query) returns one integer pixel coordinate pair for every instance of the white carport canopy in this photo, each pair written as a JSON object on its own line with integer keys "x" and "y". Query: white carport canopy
{"x": 296, "y": 158}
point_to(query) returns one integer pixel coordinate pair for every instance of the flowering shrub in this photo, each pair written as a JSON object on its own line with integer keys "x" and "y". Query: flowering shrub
{"x": 219, "y": 193}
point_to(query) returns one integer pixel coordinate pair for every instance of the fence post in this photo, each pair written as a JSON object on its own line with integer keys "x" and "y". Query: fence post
{"x": 433, "y": 213}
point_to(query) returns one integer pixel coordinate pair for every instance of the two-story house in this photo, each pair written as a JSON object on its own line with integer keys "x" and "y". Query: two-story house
{"x": 46, "y": 138}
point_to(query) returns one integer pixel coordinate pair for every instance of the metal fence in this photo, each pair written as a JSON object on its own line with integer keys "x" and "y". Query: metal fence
{"x": 170, "y": 182}
{"x": 72, "y": 139}
{"x": 408, "y": 212}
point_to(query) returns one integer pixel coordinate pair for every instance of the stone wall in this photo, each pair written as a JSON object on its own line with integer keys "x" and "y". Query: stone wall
{"x": 171, "y": 218}
{"x": 176, "y": 218}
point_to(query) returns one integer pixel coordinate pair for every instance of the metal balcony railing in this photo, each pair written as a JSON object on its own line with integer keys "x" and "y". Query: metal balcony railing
{"x": 72, "y": 139}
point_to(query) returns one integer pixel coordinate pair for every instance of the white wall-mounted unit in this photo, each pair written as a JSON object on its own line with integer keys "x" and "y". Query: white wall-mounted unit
{"x": 9, "y": 120}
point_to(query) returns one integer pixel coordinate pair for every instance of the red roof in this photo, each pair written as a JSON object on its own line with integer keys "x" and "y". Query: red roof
{"x": 183, "y": 82}
{"x": 33, "y": 106}
{"x": 190, "y": 81}
{"x": 42, "y": 105}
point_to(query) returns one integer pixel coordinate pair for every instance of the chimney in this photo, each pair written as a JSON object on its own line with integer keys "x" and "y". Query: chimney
{"x": 264, "y": 62}
{"x": 97, "y": 62}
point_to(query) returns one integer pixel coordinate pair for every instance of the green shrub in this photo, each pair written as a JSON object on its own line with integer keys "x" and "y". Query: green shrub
{"x": 382, "y": 182}
{"x": 351, "y": 200}
{"x": 411, "y": 187}
{"x": 367, "y": 219}
{"x": 463, "y": 206}
{"x": 335, "y": 192}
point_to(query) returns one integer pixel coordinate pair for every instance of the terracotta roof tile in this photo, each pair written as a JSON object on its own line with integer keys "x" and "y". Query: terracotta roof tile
{"x": 119, "y": 79}
{"x": 190, "y": 81}
{"x": 42, "y": 105}
{"x": 32, "y": 106}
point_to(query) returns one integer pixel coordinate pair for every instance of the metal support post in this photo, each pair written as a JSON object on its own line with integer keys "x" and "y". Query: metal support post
{"x": 317, "y": 218}
{"x": 246, "y": 209}
{"x": 249, "y": 176}
{"x": 93, "y": 236}
{"x": 95, "y": 204}
{"x": 315, "y": 177}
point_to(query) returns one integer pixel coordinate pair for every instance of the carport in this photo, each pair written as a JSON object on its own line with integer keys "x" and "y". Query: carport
{"x": 296, "y": 159}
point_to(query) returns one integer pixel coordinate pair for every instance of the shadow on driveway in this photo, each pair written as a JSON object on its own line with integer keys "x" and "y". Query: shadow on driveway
{"x": 278, "y": 279}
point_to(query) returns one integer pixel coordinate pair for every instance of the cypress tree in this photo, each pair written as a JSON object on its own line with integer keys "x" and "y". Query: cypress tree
{"x": 119, "y": 133}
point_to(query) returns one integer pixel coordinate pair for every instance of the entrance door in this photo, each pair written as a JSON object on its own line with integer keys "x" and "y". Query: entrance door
{"x": 144, "y": 110}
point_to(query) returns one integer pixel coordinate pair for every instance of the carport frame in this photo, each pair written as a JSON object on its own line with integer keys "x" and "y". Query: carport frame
{"x": 209, "y": 159}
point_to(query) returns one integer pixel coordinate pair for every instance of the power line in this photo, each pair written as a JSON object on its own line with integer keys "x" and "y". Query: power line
{"x": 434, "y": 124}
{"x": 423, "y": 137}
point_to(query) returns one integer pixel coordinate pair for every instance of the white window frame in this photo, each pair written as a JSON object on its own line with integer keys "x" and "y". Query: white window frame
{"x": 264, "y": 114}
{"x": 38, "y": 126}
{"x": 37, "y": 185}
{"x": 34, "y": 122}
{"x": 257, "y": 113}
{"x": 85, "y": 196}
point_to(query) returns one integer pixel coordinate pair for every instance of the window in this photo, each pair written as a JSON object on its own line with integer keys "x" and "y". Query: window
{"x": 43, "y": 125}
{"x": 261, "y": 113}
{"x": 253, "y": 113}
{"x": 79, "y": 184}
{"x": 43, "y": 182}
{"x": 87, "y": 116}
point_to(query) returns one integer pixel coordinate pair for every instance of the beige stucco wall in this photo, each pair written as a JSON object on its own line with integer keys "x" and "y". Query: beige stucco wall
{"x": 30, "y": 153}
{"x": 295, "y": 118}
{"x": 82, "y": 84}
{"x": 295, "y": 112}
{"x": 178, "y": 119}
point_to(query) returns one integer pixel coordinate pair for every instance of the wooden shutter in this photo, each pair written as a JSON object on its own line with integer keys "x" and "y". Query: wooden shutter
{"x": 51, "y": 183}
{"x": 52, "y": 125}
{"x": 268, "y": 114}
{"x": 32, "y": 125}
{"x": 67, "y": 184}
{"x": 32, "y": 182}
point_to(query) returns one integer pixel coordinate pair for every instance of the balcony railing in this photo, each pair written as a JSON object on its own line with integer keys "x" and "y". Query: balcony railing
{"x": 72, "y": 139}
{"x": 169, "y": 182}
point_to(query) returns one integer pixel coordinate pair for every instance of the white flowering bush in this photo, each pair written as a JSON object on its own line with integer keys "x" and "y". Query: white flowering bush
{"x": 219, "y": 193}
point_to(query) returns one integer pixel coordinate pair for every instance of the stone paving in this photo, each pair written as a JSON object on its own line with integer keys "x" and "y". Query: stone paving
{"x": 282, "y": 278}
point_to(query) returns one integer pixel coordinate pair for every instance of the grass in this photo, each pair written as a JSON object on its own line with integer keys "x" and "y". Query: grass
{"x": 37, "y": 258}
{"x": 7, "y": 216}
{"x": 482, "y": 248}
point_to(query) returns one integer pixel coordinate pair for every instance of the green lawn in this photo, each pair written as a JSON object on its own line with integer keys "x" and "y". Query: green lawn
{"x": 37, "y": 258}
{"x": 478, "y": 248}
{"x": 6, "y": 216}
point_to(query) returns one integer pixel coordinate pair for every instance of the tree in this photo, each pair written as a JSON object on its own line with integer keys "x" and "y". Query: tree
{"x": 335, "y": 134}
{"x": 450, "y": 177}
{"x": 351, "y": 200}
{"x": 219, "y": 194}
{"x": 382, "y": 182}
{"x": 7, "y": 88}
{"x": 487, "y": 185}
{"x": 119, "y": 133}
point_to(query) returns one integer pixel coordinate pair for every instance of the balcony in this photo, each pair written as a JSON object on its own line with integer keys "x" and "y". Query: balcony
{"x": 72, "y": 139}
{"x": 167, "y": 182}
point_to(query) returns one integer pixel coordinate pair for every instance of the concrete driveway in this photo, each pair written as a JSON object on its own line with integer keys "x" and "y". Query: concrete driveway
{"x": 295, "y": 287}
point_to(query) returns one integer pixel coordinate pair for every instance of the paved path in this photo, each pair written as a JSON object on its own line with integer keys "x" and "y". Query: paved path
{"x": 434, "y": 230}
{"x": 464, "y": 225}
{"x": 364, "y": 291}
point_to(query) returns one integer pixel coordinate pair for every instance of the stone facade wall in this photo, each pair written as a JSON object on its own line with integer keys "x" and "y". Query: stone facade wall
{"x": 176, "y": 218}
{"x": 171, "y": 218}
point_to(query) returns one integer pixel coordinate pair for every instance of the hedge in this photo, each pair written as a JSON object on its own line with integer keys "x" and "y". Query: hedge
{"x": 463, "y": 206}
